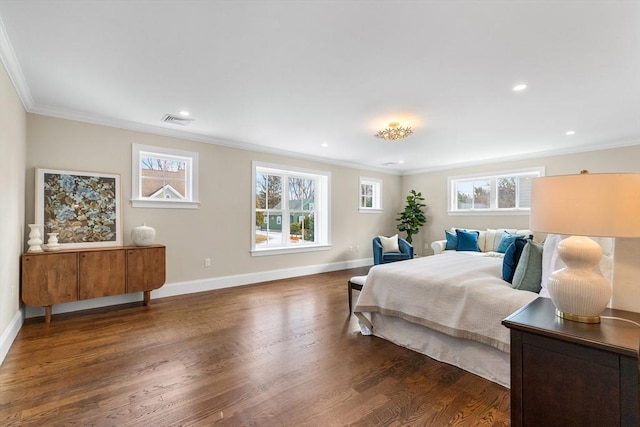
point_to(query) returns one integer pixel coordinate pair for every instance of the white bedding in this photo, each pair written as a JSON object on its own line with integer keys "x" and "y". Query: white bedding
{"x": 460, "y": 294}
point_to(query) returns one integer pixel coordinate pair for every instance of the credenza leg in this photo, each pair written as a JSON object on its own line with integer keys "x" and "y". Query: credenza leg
{"x": 147, "y": 297}
{"x": 47, "y": 314}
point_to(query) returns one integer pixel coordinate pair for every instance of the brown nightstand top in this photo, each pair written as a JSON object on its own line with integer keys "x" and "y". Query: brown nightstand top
{"x": 612, "y": 335}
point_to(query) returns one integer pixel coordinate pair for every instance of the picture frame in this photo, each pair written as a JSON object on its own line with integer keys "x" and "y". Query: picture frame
{"x": 82, "y": 207}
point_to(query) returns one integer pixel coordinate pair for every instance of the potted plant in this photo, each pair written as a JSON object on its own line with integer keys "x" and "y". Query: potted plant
{"x": 412, "y": 218}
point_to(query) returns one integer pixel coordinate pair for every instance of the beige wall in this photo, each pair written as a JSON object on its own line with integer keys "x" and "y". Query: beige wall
{"x": 220, "y": 228}
{"x": 13, "y": 143}
{"x": 433, "y": 186}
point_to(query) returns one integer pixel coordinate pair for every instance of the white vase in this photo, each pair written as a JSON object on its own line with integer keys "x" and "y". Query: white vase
{"x": 143, "y": 235}
{"x": 35, "y": 238}
{"x": 52, "y": 243}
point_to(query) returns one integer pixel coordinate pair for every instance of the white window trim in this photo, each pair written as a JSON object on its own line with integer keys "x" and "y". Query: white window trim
{"x": 377, "y": 195}
{"x": 451, "y": 197}
{"x": 191, "y": 202}
{"x": 323, "y": 232}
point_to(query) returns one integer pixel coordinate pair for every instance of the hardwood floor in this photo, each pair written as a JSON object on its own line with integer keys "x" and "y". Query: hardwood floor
{"x": 283, "y": 353}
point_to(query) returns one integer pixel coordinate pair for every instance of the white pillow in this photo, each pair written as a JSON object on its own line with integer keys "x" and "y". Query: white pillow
{"x": 389, "y": 244}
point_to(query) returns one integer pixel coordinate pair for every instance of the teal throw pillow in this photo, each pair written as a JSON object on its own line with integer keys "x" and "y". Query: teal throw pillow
{"x": 467, "y": 240}
{"x": 528, "y": 274}
{"x": 452, "y": 241}
{"x": 511, "y": 258}
{"x": 506, "y": 241}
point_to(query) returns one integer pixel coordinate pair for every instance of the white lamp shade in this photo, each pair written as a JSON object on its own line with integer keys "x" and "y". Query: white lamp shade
{"x": 606, "y": 205}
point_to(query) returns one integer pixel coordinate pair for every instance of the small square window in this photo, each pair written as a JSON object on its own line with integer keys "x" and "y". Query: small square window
{"x": 370, "y": 198}
{"x": 163, "y": 178}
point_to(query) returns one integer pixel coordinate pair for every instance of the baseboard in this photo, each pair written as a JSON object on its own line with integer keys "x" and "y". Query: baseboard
{"x": 202, "y": 285}
{"x": 10, "y": 334}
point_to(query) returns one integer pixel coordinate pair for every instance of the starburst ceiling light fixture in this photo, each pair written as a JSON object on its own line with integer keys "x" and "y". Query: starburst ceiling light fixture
{"x": 394, "y": 132}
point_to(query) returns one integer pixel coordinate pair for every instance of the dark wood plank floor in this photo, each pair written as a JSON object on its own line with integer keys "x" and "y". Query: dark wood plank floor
{"x": 283, "y": 353}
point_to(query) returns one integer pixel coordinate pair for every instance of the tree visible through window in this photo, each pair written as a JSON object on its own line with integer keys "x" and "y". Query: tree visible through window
{"x": 499, "y": 192}
{"x": 370, "y": 194}
{"x": 163, "y": 177}
{"x": 290, "y": 208}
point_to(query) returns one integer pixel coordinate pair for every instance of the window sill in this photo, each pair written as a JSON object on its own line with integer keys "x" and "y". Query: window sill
{"x": 369, "y": 210}
{"x": 491, "y": 212}
{"x": 289, "y": 250}
{"x": 165, "y": 204}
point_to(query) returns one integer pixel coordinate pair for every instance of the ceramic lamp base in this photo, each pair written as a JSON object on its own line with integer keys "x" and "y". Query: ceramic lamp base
{"x": 579, "y": 292}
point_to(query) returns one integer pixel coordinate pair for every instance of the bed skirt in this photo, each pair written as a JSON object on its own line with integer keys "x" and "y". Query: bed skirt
{"x": 479, "y": 359}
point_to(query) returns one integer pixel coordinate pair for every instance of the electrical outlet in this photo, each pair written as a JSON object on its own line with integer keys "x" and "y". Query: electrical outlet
{"x": 207, "y": 262}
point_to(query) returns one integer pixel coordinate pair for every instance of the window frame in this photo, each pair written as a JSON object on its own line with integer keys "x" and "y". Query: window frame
{"x": 321, "y": 205}
{"x": 376, "y": 205}
{"x": 191, "y": 177}
{"x": 492, "y": 177}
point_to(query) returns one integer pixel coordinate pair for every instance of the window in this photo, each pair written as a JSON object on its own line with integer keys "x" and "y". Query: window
{"x": 290, "y": 209}
{"x": 370, "y": 195}
{"x": 163, "y": 178}
{"x": 505, "y": 192}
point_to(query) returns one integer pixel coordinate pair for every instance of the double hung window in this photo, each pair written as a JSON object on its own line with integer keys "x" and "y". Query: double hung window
{"x": 290, "y": 209}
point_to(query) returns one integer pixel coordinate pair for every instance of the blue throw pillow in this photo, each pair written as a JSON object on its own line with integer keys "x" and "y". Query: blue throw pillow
{"x": 511, "y": 258}
{"x": 506, "y": 241}
{"x": 467, "y": 240}
{"x": 452, "y": 241}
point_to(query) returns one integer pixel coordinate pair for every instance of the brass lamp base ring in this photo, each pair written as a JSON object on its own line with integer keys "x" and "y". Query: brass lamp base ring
{"x": 577, "y": 317}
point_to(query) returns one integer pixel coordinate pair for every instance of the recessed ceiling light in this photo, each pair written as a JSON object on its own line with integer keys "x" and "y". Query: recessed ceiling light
{"x": 184, "y": 113}
{"x": 400, "y": 161}
{"x": 324, "y": 144}
{"x": 519, "y": 87}
{"x": 570, "y": 132}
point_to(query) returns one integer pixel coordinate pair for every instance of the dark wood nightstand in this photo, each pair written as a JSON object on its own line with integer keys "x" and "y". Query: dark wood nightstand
{"x": 566, "y": 373}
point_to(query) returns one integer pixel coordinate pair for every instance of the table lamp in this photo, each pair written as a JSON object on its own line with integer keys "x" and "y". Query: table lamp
{"x": 603, "y": 205}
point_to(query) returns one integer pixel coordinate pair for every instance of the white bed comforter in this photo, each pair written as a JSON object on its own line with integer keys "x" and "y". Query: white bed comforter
{"x": 460, "y": 294}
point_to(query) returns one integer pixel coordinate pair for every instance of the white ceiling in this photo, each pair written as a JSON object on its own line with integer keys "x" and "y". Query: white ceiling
{"x": 287, "y": 76}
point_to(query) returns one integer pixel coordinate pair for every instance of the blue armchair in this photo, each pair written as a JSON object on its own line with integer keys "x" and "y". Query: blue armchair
{"x": 380, "y": 257}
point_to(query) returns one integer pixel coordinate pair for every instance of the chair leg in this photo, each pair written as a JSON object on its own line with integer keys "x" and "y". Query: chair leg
{"x": 349, "y": 291}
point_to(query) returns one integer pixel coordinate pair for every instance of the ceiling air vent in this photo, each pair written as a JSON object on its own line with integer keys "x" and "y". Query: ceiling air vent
{"x": 176, "y": 120}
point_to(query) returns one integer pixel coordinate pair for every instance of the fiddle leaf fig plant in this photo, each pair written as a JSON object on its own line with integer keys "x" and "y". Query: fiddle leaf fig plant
{"x": 413, "y": 217}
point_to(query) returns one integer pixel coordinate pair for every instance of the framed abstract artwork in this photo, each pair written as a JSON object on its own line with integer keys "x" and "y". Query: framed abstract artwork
{"x": 82, "y": 207}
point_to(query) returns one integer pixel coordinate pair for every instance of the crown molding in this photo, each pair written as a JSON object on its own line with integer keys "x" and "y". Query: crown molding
{"x": 531, "y": 155}
{"x": 11, "y": 64}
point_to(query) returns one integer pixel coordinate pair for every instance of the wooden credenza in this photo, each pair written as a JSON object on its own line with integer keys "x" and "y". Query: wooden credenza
{"x": 50, "y": 278}
{"x": 566, "y": 373}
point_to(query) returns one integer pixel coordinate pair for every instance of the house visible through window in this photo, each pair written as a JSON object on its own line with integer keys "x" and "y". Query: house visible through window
{"x": 164, "y": 178}
{"x": 370, "y": 195}
{"x": 291, "y": 209}
{"x": 506, "y": 192}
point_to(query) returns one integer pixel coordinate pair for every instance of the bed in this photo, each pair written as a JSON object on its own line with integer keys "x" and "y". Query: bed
{"x": 450, "y": 306}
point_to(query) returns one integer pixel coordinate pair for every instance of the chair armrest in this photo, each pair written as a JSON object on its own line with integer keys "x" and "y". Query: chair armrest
{"x": 405, "y": 247}
{"x": 438, "y": 246}
{"x": 377, "y": 251}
